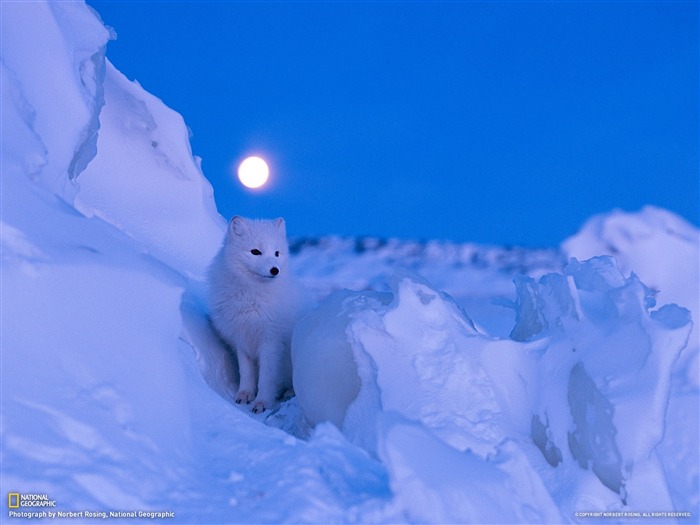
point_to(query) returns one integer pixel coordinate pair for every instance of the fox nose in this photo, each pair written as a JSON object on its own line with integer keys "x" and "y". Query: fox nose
{"x": 274, "y": 270}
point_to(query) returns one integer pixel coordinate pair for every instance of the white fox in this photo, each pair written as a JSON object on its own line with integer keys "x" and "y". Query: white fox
{"x": 254, "y": 305}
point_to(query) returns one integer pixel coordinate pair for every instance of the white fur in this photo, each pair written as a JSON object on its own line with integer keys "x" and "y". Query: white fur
{"x": 253, "y": 310}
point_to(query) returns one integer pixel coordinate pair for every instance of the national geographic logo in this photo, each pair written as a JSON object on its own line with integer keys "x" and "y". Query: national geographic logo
{"x": 41, "y": 506}
{"x": 15, "y": 500}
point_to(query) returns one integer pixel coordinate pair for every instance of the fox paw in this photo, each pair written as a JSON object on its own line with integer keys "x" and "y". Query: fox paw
{"x": 258, "y": 407}
{"x": 287, "y": 394}
{"x": 244, "y": 397}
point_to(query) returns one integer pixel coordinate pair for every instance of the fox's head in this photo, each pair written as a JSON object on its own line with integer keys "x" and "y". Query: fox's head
{"x": 258, "y": 247}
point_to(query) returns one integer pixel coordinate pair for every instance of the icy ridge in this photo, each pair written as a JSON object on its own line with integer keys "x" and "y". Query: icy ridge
{"x": 66, "y": 53}
{"x": 584, "y": 341}
{"x": 664, "y": 250}
{"x": 157, "y": 194}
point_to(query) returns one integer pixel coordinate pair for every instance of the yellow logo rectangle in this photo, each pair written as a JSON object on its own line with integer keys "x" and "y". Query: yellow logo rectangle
{"x": 13, "y": 500}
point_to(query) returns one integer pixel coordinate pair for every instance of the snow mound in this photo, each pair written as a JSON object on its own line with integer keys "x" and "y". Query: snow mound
{"x": 664, "y": 251}
{"x": 158, "y": 194}
{"x": 659, "y": 247}
{"x": 104, "y": 404}
{"x": 64, "y": 63}
{"x": 478, "y": 277}
{"x": 587, "y": 356}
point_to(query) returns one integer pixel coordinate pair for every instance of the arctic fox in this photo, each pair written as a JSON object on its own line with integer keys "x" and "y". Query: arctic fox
{"x": 254, "y": 305}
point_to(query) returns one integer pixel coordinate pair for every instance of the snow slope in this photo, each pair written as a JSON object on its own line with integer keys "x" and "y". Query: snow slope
{"x": 104, "y": 406}
{"x": 663, "y": 250}
{"x": 527, "y": 401}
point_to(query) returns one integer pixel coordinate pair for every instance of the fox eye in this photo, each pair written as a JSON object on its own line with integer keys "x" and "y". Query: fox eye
{"x": 255, "y": 251}
{"x": 277, "y": 254}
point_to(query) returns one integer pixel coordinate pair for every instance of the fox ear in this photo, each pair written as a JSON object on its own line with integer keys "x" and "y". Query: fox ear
{"x": 279, "y": 223}
{"x": 237, "y": 225}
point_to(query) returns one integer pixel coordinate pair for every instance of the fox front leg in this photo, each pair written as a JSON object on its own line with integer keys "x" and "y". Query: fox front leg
{"x": 275, "y": 374}
{"x": 246, "y": 387}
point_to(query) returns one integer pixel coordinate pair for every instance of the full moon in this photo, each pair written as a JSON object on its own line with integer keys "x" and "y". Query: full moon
{"x": 253, "y": 172}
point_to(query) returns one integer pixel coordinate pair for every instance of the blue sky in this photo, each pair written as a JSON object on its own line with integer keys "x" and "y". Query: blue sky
{"x": 492, "y": 122}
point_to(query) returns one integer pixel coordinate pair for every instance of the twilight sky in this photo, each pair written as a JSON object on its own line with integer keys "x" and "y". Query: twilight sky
{"x": 494, "y": 122}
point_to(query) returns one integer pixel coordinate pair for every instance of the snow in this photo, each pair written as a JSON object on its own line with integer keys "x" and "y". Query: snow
{"x": 436, "y": 382}
{"x": 663, "y": 250}
{"x": 171, "y": 211}
{"x": 659, "y": 247}
{"x": 66, "y": 65}
{"x": 588, "y": 358}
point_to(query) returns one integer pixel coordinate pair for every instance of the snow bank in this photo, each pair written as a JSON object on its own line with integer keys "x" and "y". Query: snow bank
{"x": 479, "y": 277}
{"x": 52, "y": 67}
{"x": 104, "y": 406}
{"x": 146, "y": 182}
{"x": 663, "y": 249}
{"x": 66, "y": 100}
{"x": 561, "y": 399}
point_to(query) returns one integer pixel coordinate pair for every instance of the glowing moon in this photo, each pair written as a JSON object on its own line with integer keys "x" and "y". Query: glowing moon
{"x": 253, "y": 172}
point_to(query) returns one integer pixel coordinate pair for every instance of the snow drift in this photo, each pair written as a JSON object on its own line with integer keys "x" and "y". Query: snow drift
{"x": 586, "y": 357}
{"x": 104, "y": 406}
{"x": 468, "y": 397}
